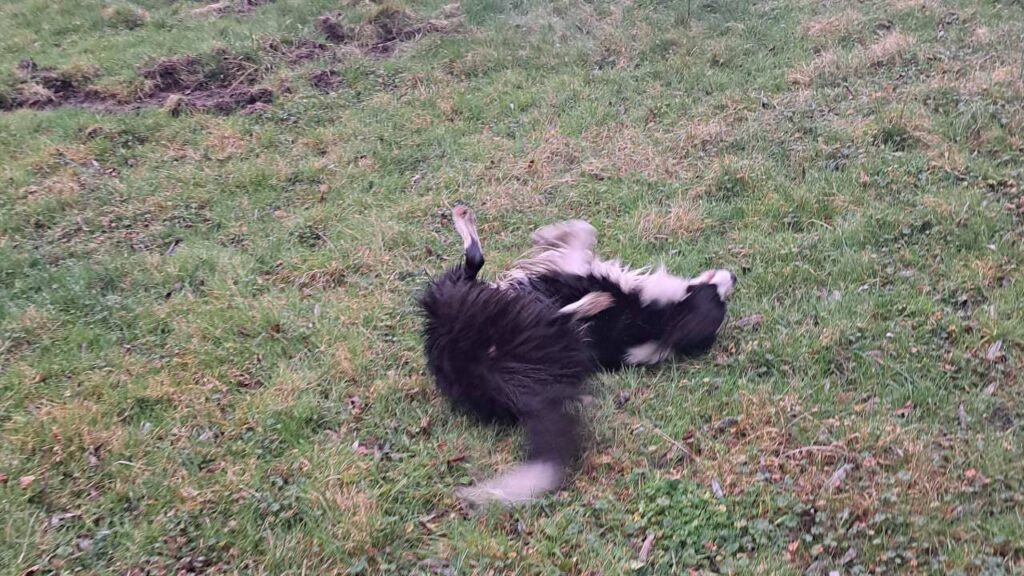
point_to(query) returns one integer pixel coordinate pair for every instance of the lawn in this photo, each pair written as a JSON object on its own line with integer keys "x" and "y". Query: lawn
{"x": 214, "y": 220}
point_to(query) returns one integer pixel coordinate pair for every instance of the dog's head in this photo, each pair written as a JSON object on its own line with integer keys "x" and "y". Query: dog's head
{"x": 694, "y": 321}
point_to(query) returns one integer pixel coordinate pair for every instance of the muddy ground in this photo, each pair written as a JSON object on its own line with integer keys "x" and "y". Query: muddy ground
{"x": 225, "y": 82}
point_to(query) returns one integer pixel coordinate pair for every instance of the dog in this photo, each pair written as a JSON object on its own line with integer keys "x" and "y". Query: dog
{"x": 523, "y": 349}
{"x": 507, "y": 356}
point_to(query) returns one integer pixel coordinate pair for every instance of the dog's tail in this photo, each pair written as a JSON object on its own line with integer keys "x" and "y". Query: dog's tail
{"x": 552, "y": 444}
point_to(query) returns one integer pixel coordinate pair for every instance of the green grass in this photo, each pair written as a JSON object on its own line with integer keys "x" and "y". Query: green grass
{"x": 209, "y": 353}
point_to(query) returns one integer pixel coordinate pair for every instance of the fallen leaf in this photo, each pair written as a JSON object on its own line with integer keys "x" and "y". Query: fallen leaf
{"x": 645, "y": 550}
{"x": 793, "y": 546}
{"x": 850, "y": 555}
{"x": 3, "y": 478}
{"x": 59, "y": 518}
{"x": 435, "y": 565}
{"x": 726, "y": 423}
{"x": 995, "y": 351}
{"x": 752, "y": 322}
{"x": 875, "y": 355}
{"x": 905, "y": 410}
{"x": 716, "y": 489}
{"x": 839, "y": 475}
{"x": 25, "y": 481}
{"x": 621, "y": 399}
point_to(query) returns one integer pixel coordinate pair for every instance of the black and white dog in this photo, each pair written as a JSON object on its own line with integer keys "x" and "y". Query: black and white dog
{"x": 507, "y": 356}
{"x": 522, "y": 349}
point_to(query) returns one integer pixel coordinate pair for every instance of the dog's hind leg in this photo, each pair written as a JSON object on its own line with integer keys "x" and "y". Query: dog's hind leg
{"x": 570, "y": 234}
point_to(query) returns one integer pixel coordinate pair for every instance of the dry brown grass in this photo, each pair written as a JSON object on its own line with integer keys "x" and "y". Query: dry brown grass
{"x": 622, "y": 150}
{"x": 825, "y": 64}
{"x": 610, "y": 151}
{"x": 341, "y": 365}
{"x": 682, "y": 218}
{"x": 829, "y": 27}
{"x": 891, "y": 47}
{"x": 855, "y": 461}
{"x": 308, "y": 281}
{"x": 360, "y": 509}
{"x": 222, "y": 142}
{"x": 62, "y": 185}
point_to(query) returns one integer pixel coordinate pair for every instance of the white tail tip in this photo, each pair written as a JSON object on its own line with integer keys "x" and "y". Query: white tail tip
{"x": 520, "y": 485}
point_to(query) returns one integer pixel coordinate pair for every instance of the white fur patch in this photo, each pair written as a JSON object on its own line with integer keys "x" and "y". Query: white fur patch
{"x": 519, "y": 485}
{"x": 725, "y": 282}
{"x": 647, "y": 353}
{"x": 541, "y": 261}
{"x": 589, "y": 305}
{"x": 658, "y": 287}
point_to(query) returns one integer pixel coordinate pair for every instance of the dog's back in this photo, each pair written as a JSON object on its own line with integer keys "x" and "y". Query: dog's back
{"x": 500, "y": 354}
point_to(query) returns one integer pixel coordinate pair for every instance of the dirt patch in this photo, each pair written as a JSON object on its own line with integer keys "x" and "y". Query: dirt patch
{"x": 325, "y": 81}
{"x": 221, "y": 83}
{"x": 383, "y": 31}
{"x": 297, "y": 51}
{"x": 38, "y": 87}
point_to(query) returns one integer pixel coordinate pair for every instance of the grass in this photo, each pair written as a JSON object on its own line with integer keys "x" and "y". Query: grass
{"x": 209, "y": 359}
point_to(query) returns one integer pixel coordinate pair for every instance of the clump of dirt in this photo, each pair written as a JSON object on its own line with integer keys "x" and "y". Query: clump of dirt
{"x": 334, "y": 30}
{"x": 296, "y": 51}
{"x": 190, "y": 74}
{"x": 325, "y": 81}
{"x": 222, "y": 83}
{"x": 381, "y": 32}
{"x": 39, "y": 88}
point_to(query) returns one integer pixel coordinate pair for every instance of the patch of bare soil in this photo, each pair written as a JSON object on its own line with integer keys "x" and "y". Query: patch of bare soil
{"x": 39, "y": 87}
{"x": 223, "y": 82}
{"x": 325, "y": 81}
{"x": 221, "y": 85}
{"x": 383, "y": 31}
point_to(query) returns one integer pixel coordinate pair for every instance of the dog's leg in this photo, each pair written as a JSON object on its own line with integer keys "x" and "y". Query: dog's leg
{"x": 465, "y": 225}
{"x": 589, "y": 305}
{"x": 570, "y": 234}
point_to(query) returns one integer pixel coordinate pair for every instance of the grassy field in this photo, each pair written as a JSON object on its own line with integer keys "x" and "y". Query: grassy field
{"x": 214, "y": 221}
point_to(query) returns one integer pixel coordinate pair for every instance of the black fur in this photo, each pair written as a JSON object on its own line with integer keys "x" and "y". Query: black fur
{"x": 689, "y": 327}
{"x": 507, "y": 356}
